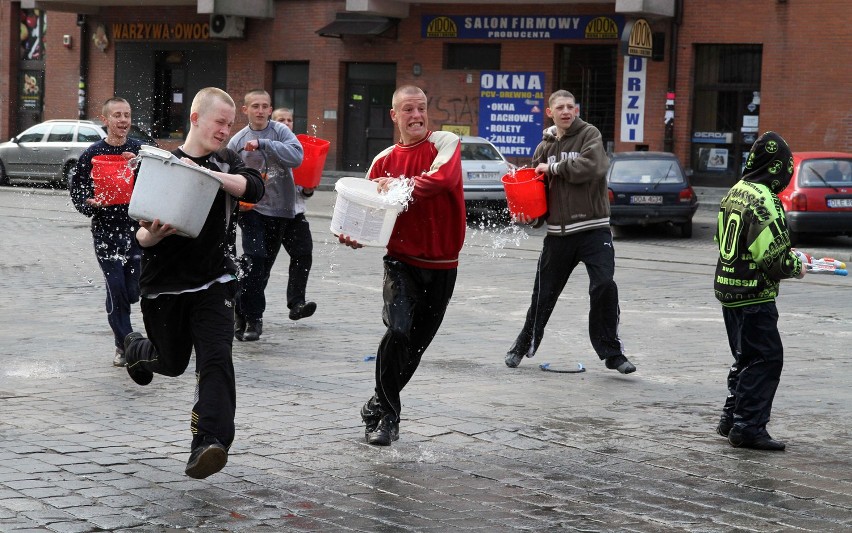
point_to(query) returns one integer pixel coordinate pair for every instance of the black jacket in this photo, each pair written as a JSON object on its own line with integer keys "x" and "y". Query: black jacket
{"x": 176, "y": 263}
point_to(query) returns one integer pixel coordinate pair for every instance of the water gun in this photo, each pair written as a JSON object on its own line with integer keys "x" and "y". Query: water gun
{"x": 825, "y": 265}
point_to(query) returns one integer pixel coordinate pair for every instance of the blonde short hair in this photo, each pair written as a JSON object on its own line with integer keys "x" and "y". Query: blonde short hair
{"x": 408, "y": 90}
{"x": 205, "y": 97}
{"x": 255, "y": 92}
{"x": 109, "y": 102}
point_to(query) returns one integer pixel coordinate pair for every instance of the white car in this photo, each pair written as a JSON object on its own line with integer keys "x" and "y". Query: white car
{"x": 48, "y": 152}
{"x": 483, "y": 166}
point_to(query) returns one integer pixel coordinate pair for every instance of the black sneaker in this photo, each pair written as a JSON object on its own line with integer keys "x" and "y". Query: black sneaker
{"x": 513, "y": 359}
{"x": 386, "y": 431}
{"x": 239, "y": 327}
{"x": 620, "y": 363}
{"x": 303, "y": 310}
{"x": 738, "y": 439}
{"x": 134, "y": 368}
{"x": 206, "y": 459}
{"x": 371, "y": 413}
{"x": 253, "y": 330}
{"x": 724, "y": 427}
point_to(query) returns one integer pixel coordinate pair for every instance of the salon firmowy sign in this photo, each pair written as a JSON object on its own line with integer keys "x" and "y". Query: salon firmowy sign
{"x": 521, "y": 26}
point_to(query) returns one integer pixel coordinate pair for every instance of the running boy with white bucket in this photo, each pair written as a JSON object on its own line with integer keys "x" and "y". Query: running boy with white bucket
{"x": 422, "y": 253}
{"x": 188, "y": 286}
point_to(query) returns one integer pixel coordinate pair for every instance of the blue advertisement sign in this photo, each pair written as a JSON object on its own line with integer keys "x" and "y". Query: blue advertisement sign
{"x": 522, "y": 26}
{"x": 511, "y": 110}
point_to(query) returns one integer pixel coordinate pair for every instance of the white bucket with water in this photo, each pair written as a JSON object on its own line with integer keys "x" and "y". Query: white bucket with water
{"x": 172, "y": 191}
{"x": 363, "y": 214}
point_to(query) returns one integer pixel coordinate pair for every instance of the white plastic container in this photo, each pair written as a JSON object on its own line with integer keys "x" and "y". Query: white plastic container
{"x": 361, "y": 213}
{"x": 172, "y": 191}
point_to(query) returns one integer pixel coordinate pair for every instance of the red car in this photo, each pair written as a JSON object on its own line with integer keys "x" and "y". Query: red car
{"x": 818, "y": 200}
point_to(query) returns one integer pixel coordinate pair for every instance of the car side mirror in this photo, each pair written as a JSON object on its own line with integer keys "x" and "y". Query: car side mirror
{"x": 15, "y": 140}
{"x": 689, "y": 172}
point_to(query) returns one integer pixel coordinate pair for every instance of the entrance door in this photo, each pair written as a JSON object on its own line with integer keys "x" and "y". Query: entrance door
{"x": 368, "y": 128}
{"x": 589, "y": 73}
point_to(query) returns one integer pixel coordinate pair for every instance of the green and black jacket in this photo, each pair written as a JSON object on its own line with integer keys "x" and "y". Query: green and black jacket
{"x": 754, "y": 245}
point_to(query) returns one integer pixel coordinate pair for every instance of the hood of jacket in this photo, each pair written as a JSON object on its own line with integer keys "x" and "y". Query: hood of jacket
{"x": 769, "y": 162}
{"x": 551, "y": 134}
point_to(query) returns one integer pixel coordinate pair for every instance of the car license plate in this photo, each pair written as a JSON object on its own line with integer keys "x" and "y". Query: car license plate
{"x": 839, "y": 202}
{"x": 483, "y": 176}
{"x": 646, "y": 199}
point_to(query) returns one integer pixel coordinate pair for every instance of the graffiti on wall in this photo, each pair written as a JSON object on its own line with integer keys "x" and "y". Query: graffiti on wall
{"x": 453, "y": 109}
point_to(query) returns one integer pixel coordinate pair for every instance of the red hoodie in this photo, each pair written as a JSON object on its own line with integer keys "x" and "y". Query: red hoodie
{"x": 430, "y": 233}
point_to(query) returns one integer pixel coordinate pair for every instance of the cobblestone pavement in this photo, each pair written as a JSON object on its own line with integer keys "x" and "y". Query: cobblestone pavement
{"x": 482, "y": 447}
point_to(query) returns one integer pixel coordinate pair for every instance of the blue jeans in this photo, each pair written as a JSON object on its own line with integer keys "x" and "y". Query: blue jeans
{"x": 122, "y": 285}
{"x": 262, "y": 239}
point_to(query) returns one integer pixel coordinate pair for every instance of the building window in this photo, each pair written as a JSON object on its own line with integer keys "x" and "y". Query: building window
{"x": 472, "y": 56}
{"x": 726, "y": 107}
{"x": 290, "y": 89}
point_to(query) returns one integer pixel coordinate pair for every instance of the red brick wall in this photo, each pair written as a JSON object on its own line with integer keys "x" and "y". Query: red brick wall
{"x": 62, "y": 74}
{"x": 806, "y": 85}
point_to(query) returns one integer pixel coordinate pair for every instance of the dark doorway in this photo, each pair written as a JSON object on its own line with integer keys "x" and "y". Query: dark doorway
{"x": 368, "y": 128}
{"x": 589, "y": 73}
{"x": 160, "y": 80}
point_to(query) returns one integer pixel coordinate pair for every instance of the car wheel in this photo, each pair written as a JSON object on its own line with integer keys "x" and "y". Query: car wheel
{"x": 68, "y": 174}
{"x": 686, "y": 229}
{"x": 4, "y": 179}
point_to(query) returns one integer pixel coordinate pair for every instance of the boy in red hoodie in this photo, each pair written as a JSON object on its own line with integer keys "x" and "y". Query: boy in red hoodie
{"x": 422, "y": 255}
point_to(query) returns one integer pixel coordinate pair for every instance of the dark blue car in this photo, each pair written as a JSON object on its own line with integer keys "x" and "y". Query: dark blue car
{"x": 650, "y": 188}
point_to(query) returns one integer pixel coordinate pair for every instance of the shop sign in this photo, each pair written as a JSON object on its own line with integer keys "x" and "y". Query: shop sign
{"x": 750, "y": 123}
{"x": 458, "y": 129}
{"x": 30, "y": 90}
{"x": 160, "y": 31}
{"x": 638, "y": 39}
{"x": 521, "y": 27}
{"x": 713, "y": 137}
{"x": 511, "y": 108}
{"x": 633, "y": 100}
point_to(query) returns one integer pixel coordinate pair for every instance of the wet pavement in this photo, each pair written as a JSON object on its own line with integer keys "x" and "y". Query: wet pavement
{"x": 482, "y": 447}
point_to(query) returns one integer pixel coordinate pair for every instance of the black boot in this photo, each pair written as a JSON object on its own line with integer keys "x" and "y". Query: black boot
{"x": 253, "y": 330}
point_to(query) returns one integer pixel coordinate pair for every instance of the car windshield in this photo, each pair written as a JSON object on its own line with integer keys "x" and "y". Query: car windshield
{"x": 645, "y": 171}
{"x": 479, "y": 152}
{"x": 825, "y": 172}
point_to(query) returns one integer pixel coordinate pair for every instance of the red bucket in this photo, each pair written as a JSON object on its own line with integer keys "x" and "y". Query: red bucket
{"x": 113, "y": 179}
{"x": 309, "y": 173}
{"x": 525, "y": 193}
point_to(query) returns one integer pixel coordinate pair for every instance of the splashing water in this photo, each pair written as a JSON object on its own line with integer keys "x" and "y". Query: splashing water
{"x": 493, "y": 237}
{"x": 399, "y": 192}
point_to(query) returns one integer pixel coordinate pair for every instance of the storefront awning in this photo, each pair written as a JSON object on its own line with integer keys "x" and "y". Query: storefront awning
{"x": 357, "y": 24}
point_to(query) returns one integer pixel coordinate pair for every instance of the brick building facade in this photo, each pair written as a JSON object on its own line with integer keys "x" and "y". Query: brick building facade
{"x": 777, "y": 65}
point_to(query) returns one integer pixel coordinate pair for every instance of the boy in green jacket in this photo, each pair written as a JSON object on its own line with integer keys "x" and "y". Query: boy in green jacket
{"x": 754, "y": 256}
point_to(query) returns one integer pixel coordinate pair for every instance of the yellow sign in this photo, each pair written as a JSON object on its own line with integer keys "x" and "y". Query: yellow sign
{"x": 641, "y": 42}
{"x": 160, "y": 31}
{"x": 601, "y": 28}
{"x": 442, "y": 27}
{"x": 458, "y": 129}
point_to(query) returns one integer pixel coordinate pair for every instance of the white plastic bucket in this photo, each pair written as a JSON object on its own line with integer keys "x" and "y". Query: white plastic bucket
{"x": 361, "y": 213}
{"x": 172, "y": 191}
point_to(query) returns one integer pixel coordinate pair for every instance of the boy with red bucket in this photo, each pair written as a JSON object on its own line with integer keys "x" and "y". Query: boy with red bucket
{"x": 113, "y": 231}
{"x": 572, "y": 158}
{"x": 276, "y": 221}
